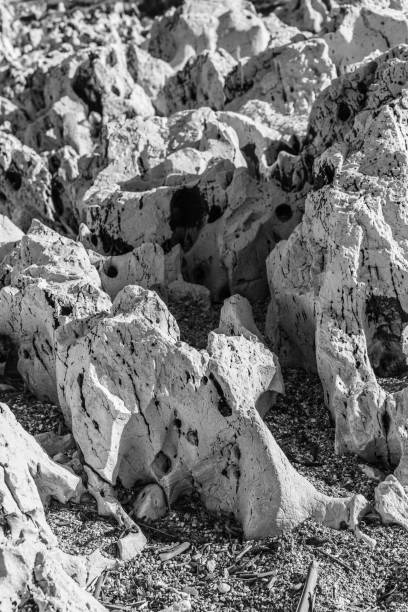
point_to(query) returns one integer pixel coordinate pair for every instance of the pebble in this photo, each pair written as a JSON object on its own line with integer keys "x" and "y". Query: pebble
{"x": 223, "y": 588}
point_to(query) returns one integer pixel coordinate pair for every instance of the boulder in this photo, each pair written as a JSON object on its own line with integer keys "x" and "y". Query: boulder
{"x": 146, "y": 407}
{"x": 391, "y": 502}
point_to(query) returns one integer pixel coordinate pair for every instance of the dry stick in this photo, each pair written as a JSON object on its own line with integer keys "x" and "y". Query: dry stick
{"x": 306, "y": 603}
{"x": 99, "y": 584}
{"x": 336, "y": 560}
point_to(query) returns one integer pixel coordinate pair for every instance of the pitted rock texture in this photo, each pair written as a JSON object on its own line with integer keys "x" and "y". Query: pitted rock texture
{"x": 114, "y": 377}
{"x": 339, "y": 282}
{"x": 32, "y": 565}
{"x": 50, "y": 282}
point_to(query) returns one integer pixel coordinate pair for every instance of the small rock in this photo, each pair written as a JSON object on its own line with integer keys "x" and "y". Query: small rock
{"x": 224, "y": 588}
{"x": 131, "y": 545}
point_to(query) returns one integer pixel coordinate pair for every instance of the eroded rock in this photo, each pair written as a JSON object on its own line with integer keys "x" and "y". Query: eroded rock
{"x": 116, "y": 396}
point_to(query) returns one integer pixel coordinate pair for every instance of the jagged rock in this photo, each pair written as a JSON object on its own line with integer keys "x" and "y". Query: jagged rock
{"x": 32, "y": 565}
{"x": 25, "y": 183}
{"x": 51, "y": 282}
{"x": 199, "y": 83}
{"x": 339, "y": 281}
{"x": 365, "y": 29}
{"x": 131, "y": 545}
{"x": 236, "y": 318}
{"x": 10, "y": 235}
{"x": 224, "y": 217}
{"x": 200, "y": 25}
{"x": 288, "y": 77}
{"x": 143, "y": 266}
{"x": 115, "y": 396}
{"x": 309, "y": 15}
{"x": 391, "y": 502}
{"x": 150, "y": 503}
{"x": 104, "y": 84}
{"x": 149, "y": 72}
{"x": 53, "y": 443}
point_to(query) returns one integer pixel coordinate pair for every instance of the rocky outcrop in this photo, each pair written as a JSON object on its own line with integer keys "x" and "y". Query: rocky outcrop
{"x": 339, "y": 282}
{"x": 32, "y": 565}
{"x": 10, "y": 235}
{"x": 51, "y": 281}
{"x": 199, "y": 25}
{"x": 25, "y": 184}
{"x": 127, "y": 378}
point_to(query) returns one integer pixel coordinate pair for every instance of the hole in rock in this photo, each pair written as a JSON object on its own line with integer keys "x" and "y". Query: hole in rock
{"x": 283, "y": 212}
{"x": 85, "y": 87}
{"x": 386, "y": 331}
{"x": 343, "y": 111}
{"x": 188, "y": 209}
{"x": 110, "y": 270}
{"x": 57, "y": 190}
{"x": 161, "y": 465}
{"x": 248, "y": 151}
{"x": 13, "y": 177}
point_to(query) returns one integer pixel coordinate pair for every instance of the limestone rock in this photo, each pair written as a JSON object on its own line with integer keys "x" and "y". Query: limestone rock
{"x": 150, "y": 503}
{"x": 51, "y": 282}
{"x": 236, "y": 318}
{"x": 183, "y": 292}
{"x": 116, "y": 396}
{"x": 24, "y": 182}
{"x": 391, "y": 502}
{"x": 10, "y": 235}
{"x": 200, "y": 25}
{"x": 151, "y": 73}
{"x": 131, "y": 545}
{"x": 289, "y": 77}
{"x": 143, "y": 266}
{"x": 339, "y": 281}
{"x": 32, "y": 565}
{"x": 199, "y": 83}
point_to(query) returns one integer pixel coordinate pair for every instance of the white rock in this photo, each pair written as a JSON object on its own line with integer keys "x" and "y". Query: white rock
{"x": 10, "y": 235}
{"x": 150, "y": 503}
{"x": 391, "y": 502}
{"x": 131, "y": 545}
{"x": 192, "y": 413}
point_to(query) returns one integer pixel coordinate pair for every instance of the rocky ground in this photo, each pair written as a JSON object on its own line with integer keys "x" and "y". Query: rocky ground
{"x": 220, "y": 571}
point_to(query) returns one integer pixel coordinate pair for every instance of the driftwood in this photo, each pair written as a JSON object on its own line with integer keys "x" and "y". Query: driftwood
{"x": 306, "y": 603}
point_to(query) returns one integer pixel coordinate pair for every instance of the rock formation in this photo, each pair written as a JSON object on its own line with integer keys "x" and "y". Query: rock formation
{"x": 200, "y": 150}
{"x": 339, "y": 282}
{"x": 31, "y": 564}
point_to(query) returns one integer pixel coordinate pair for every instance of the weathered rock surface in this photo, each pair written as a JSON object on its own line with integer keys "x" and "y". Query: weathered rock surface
{"x": 391, "y": 502}
{"x": 10, "y": 235}
{"x": 32, "y": 565}
{"x": 200, "y": 25}
{"x": 25, "y": 184}
{"x": 339, "y": 282}
{"x": 51, "y": 282}
{"x": 146, "y": 407}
